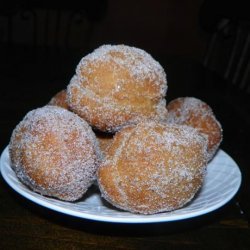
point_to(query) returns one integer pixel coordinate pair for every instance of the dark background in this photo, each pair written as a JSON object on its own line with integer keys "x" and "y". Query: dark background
{"x": 41, "y": 42}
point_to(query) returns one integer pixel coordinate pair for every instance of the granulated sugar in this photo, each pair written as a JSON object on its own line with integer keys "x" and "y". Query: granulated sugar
{"x": 55, "y": 152}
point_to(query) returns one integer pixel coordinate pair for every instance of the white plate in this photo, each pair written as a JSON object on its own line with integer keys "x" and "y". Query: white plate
{"x": 222, "y": 181}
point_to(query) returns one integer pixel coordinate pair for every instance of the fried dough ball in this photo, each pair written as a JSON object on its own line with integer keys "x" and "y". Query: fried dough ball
{"x": 60, "y": 99}
{"x": 118, "y": 85}
{"x": 196, "y": 113}
{"x": 152, "y": 167}
{"x": 55, "y": 153}
{"x": 104, "y": 140}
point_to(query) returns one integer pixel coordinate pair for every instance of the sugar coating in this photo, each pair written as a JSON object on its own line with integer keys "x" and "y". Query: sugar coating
{"x": 105, "y": 140}
{"x": 138, "y": 92}
{"x": 109, "y": 114}
{"x": 189, "y": 104}
{"x": 153, "y": 167}
{"x": 140, "y": 64}
{"x": 59, "y": 99}
{"x": 55, "y": 153}
{"x": 196, "y": 113}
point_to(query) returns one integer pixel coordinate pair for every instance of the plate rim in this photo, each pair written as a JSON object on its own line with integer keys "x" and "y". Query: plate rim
{"x": 134, "y": 219}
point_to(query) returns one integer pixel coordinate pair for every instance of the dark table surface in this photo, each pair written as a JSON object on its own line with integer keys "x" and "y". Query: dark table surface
{"x": 27, "y": 83}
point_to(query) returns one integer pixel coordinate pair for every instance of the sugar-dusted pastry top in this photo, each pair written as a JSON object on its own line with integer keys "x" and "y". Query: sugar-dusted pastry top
{"x": 196, "y": 113}
{"x": 117, "y": 85}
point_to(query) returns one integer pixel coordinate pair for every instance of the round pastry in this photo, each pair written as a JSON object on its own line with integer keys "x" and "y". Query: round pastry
{"x": 152, "y": 167}
{"x": 60, "y": 99}
{"x": 104, "y": 139}
{"x": 196, "y": 113}
{"x": 55, "y": 153}
{"x": 118, "y": 85}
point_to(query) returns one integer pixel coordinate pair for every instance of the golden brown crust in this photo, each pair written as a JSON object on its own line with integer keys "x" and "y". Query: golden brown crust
{"x": 105, "y": 140}
{"x": 60, "y": 99}
{"x": 55, "y": 153}
{"x": 118, "y": 85}
{"x": 197, "y": 114}
{"x": 152, "y": 167}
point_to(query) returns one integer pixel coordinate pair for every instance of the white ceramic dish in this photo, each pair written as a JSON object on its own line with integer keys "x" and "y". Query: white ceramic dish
{"x": 223, "y": 179}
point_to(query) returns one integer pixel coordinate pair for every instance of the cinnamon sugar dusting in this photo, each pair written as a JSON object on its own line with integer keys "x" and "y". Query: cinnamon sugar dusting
{"x": 118, "y": 85}
{"x": 152, "y": 160}
{"x": 139, "y": 63}
{"x": 196, "y": 113}
{"x": 60, "y": 99}
{"x": 155, "y": 168}
{"x": 55, "y": 153}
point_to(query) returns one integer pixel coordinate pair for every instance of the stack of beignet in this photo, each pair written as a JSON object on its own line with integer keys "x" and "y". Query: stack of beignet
{"x": 112, "y": 124}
